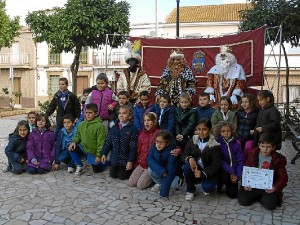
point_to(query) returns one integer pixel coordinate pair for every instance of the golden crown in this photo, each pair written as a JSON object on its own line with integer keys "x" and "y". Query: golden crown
{"x": 225, "y": 49}
{"x": 199, "y": 54}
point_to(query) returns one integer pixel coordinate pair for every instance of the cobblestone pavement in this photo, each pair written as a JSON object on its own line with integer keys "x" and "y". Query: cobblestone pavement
{"x": 61, "y": 198}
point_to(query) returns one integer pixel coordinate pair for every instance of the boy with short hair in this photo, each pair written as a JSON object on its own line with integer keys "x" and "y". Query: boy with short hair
{"x": 165, "y": 114}
{"x": 123, "y": 99}
{"x": 64, "y": 139}
{"x": 264, "y": 156}
{"x": 90, "y": 137}
{"x": 64, "y": 102}
{"x": 31, "y": 116}
{"x": 204, "y": 109}
{"x": 140, "y": 109}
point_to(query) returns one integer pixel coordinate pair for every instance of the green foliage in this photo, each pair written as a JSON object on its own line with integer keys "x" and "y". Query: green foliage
{"x": 81, "y": 23}
{"x": 12, "y": 99}
{"x": 274, "y": 13}
{"x": 44, "y": 106}
{"x": 9, "y": 29}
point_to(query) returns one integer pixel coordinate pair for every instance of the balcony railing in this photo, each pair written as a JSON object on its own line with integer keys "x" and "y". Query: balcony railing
{"x": 14, "y": 59}
{"x": 113, "y": 59}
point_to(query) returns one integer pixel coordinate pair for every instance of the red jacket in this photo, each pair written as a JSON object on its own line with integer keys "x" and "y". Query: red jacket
{"x": 146, "y": 139}
{"x": 278, "y": 164}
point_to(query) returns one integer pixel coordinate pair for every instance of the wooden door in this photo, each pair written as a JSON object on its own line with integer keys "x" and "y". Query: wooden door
{"x": 17, "y": 88}
{"x": 82, "y": 83}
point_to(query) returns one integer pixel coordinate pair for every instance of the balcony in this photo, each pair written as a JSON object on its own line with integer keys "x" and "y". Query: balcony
{"x": 114, "y": 59}
{"x": 16, "y": 60}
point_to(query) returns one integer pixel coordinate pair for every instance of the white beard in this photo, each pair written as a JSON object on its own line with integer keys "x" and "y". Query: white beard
{"x": 225, "y": 66}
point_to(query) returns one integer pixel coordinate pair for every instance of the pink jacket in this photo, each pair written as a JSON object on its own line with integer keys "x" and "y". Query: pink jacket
{"x": 102, "y": 99}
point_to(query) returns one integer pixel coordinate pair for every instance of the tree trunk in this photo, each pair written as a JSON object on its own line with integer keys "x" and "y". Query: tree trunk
{"x": 287, "y": 91}
{"x": 75, "y": 67}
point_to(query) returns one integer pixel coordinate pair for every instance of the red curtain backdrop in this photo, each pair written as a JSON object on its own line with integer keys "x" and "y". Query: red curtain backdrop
{"x": 248, "y": 48}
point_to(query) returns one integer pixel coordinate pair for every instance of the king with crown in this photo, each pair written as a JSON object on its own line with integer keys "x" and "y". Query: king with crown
{"x": 226, "y": 78}
{"x": 176, "y": 78}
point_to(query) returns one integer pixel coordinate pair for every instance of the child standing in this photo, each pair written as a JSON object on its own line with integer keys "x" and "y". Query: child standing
{"x": 204, "y": 109}
{"x": 89, "y": 137}
{"x": 64, "y": 102}
{"x": 268, "y": 119}
{"x": 202, "y": 158}
{"x": 224, "y": 112}
{"x": 41, "y": 146}
{"x": 140, "y": 109}
{"x": 246, "y": 120}
{"x": 232, "y": 158}
{"x": 64, "y": 139}
{"x": 165, "y": 114}
{"x": 122, "y": 143}
{"x": 185, "y": 120}
{"x": 123, "y": 99}
{"x": 31, "y": 120}
{"x": 16, "y": 148}
{"x": 162, "y": 164}
{"x": 104, "y": 98}
{"x": 139, "y": 177}
{"x": 264, "y": 156}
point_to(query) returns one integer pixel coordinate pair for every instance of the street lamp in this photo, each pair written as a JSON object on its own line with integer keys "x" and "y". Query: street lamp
{"x": 177, "y": 19}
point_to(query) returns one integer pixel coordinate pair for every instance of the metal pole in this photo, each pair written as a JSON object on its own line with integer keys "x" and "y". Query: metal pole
{"x": 279, "y": 66}
{"x": 106, "y": 53}
{"x": 177, "y": 19}
{"x": 156, "y": 21}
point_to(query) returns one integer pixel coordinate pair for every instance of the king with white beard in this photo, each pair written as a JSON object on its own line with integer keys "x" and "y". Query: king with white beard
{"x": 226, "y": 78}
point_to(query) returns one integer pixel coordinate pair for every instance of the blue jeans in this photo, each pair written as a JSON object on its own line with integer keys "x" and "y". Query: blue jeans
{"x": 34, "y": 170}
{"x": 208, "y": 185}
{"x": 97, "y": 167}
{"x": 165, "y": 182}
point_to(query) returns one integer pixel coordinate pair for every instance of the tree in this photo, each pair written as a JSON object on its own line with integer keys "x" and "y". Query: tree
{"x": 274, "y": 13}
{"x": 81, "y": 23}
{"x": 9, "y": 29}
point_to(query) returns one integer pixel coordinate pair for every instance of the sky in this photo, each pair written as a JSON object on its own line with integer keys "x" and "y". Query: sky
{"x": 142, "y": 11}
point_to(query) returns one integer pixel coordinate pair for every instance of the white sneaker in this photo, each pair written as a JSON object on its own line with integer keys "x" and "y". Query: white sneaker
{"x": 156, "y": 187}
{"x": 189, "y": 196}
{"x": 205, "y": 193}
{"x": 71, "y": 170}
{"x": 5, "y": 168}
{"x": 79, "y": 170}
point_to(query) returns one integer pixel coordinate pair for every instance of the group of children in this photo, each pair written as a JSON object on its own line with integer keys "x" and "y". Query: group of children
{"x": 160, "y": 143}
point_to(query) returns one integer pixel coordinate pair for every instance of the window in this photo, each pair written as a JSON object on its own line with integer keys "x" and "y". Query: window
{"x": 294, "y": 92}
{"x": 83, "y": 55}
{"x": 53, "y": 84}
{"x": 54, "y": 58}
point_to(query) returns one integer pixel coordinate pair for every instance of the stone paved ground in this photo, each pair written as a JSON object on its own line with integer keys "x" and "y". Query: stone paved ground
{"x": 61, "y": 198}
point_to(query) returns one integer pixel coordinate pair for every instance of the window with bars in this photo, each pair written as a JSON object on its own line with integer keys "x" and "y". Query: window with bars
{"x": 83, "y": 55}
{"x": 53, "y": 84}
{"x": 54, "y": 58}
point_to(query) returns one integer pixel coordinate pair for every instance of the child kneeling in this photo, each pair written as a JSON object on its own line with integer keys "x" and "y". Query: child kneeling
{"x": 264, "y": 156}
{"x": 90, "y": 137}
{"x": 162, "y": 164}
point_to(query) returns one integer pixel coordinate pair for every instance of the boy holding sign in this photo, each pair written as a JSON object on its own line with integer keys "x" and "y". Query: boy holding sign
{"x": 265, "y": 157}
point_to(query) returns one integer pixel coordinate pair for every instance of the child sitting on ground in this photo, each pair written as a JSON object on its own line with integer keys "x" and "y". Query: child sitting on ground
{"x": 204, "y": 109}
{"x": 16, "y": 149}
{"x": 163, "y": 165}
{"x": 202, "y": 158}
{"x": 139, "y": 177}
{"x": 41, "y": 146}
{"x": 64, "y": 139}
{"x": 89, "y": 137}
{"x": 122, "y": 143}
{"x": 232, "y": 158}
{"x": 264, "y": 156}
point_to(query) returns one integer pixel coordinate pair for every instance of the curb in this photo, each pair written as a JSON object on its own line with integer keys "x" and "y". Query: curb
{"x": 15, "y": 112}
